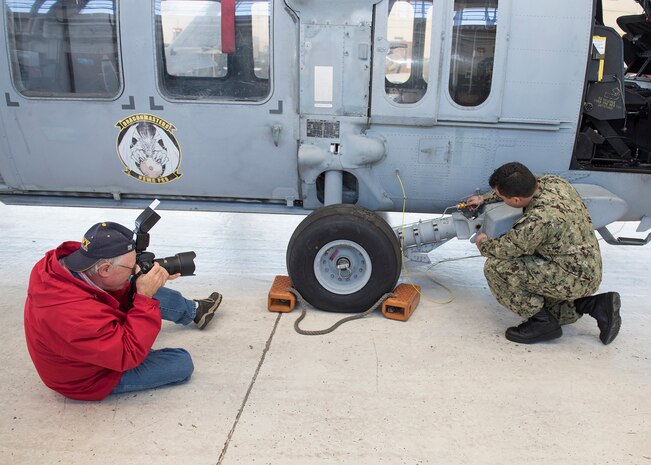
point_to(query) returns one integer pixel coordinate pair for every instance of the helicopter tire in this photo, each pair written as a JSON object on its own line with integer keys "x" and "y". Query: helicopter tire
{"x": 343, "y": 258}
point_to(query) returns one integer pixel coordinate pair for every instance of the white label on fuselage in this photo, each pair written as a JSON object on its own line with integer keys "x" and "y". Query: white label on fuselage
{"x": 323, "y": 82}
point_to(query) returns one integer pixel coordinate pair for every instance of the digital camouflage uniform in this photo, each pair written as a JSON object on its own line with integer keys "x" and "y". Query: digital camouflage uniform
{"x": 549, "y": 258}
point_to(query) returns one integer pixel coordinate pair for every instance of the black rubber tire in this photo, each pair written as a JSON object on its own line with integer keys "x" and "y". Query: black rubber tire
{"x": 351, "y": 223}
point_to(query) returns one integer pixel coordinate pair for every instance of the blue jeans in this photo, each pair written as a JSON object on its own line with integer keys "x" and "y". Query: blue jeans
{"x": 164, "y": 367}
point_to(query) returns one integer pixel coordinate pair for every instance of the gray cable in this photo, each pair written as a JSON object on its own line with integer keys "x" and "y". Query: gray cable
{"x": 338, "y": 323}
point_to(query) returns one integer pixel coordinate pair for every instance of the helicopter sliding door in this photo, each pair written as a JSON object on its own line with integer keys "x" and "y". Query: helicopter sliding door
{"x": 226, "y": 79}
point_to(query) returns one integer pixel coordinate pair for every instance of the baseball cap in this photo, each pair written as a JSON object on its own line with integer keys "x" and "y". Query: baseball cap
{"x": 103, "y": 240}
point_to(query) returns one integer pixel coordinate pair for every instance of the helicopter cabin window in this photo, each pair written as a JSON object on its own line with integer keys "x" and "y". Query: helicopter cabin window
{"x": 409, "y": 32}
{"x": 474, "y": 26}
{"x": 215, "y": 50}
{"x": 63, "y": 48}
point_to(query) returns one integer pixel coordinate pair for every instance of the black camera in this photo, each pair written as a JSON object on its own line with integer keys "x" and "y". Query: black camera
{"x": 180, "y": 263}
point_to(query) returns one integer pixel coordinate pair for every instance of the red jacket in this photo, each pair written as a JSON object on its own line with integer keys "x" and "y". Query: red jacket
{"x": 82, "y": 339}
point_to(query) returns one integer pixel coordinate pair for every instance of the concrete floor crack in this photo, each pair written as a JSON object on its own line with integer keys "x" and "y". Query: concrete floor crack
{"x": 248, "y": 391}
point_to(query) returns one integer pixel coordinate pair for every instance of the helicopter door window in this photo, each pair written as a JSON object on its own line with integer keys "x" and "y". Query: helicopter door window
{"x": 409, "y": 31}
{"x": 63, "y": 48}
{"x": 474, "y": 27}
{"x": 212, "y": 53}
{"x": 260, "y": 32}
{"x": 192, "y": 39}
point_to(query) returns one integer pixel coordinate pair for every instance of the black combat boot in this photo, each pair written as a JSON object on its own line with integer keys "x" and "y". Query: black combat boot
{"x": 540, "y": 327}
{"x": 605, "y": 309}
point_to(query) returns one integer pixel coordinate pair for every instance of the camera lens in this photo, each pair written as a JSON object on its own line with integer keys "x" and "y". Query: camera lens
{"x": 180, "y": 263}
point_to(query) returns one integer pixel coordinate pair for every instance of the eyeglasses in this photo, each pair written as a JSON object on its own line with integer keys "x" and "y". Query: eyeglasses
{"x": 131, "y": 268}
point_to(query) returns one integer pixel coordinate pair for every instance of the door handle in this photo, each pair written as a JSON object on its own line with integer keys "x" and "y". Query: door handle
{"x": 275, "y": 133}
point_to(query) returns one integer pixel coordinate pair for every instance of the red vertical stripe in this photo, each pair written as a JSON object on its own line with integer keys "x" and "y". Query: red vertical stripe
{"x": 228, "y": 26}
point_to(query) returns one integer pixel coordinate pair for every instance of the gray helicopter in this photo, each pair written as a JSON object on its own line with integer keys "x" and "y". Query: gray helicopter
{"x": 340, "y": 107}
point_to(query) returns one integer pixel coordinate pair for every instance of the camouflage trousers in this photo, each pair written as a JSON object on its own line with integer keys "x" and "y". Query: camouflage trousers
{"x": 526, "y": 285}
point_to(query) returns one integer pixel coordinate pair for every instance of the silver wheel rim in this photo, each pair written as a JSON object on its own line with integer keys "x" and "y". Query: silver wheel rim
{"x": 342, "y": 267}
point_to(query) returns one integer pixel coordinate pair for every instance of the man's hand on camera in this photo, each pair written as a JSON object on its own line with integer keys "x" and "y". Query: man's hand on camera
{"x": 147, "y": 284}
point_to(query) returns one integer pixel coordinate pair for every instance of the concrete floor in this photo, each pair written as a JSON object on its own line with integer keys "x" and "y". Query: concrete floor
{"x": 443, "y": 388}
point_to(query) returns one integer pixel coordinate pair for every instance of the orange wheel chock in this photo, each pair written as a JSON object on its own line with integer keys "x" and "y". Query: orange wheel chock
{"x": 403, "y": 304}
{"x": 280, "y": 299}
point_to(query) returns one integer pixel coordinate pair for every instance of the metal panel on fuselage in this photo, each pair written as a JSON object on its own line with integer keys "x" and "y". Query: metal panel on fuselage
{"x": 530, "y": 115}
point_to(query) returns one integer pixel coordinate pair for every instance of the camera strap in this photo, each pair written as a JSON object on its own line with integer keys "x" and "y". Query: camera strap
{"x": 132, "y": 289}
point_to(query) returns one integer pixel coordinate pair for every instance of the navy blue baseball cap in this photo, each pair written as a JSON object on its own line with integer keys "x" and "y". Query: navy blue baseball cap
{"x": 103, "y": 240}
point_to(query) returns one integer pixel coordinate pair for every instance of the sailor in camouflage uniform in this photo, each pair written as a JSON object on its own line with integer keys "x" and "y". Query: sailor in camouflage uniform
{"x": 548, "y": 265}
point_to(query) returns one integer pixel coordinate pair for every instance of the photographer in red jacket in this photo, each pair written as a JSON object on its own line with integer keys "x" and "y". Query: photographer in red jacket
{"x": 87, "y": 336}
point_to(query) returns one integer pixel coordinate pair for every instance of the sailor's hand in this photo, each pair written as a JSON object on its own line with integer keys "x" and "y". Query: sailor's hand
{"x": 474, "y": 202}
{"x": 479, "y": 238}
{"x": 147, "y": 284}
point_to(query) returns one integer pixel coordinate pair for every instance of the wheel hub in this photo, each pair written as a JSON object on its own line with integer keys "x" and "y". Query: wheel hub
{"x": 342, "y": 267}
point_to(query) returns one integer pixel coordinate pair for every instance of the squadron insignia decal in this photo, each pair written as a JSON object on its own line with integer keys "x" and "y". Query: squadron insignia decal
{"x": 148, "y": 149}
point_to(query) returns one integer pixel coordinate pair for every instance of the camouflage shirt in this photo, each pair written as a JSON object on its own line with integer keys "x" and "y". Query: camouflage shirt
{"x": 555, "y": 226}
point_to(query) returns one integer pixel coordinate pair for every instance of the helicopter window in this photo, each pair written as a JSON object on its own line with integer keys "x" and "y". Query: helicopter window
{"x": 409, "y": 32}
{"x": 192, "y": 39}
{"x": 474, "y": 26}
{"x": 210, "y": 51}
{"x": 260, "y": 31}
{"x": 64, "y": 48}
